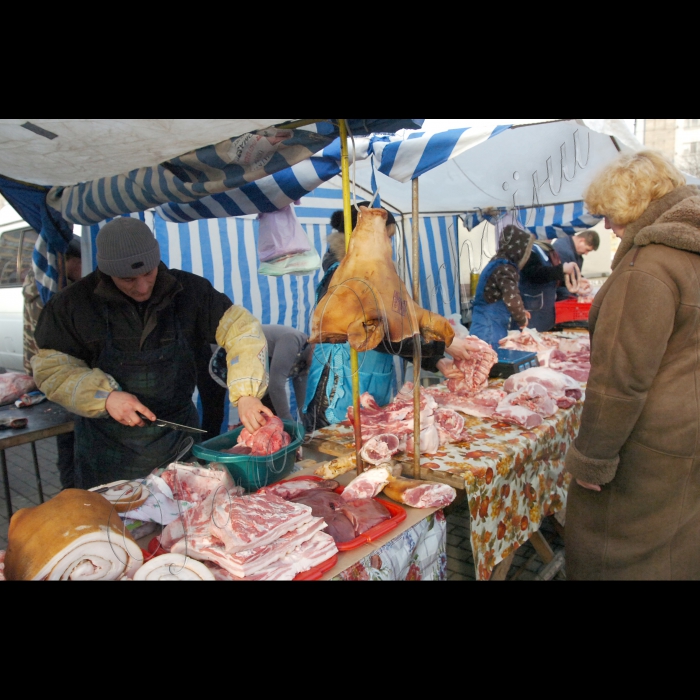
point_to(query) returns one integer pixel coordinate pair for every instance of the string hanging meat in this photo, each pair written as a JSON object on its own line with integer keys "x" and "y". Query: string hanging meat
{"x": 367, "y": 303}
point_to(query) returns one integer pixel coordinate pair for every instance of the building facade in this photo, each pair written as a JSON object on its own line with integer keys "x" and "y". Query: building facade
{"x": 678, "y": 139}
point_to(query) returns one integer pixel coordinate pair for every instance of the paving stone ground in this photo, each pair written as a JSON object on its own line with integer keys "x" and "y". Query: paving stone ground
{"x": 460, "y": 563}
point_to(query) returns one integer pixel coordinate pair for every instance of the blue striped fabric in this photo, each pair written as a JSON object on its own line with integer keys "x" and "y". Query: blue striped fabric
{"x": 439, "y": 255}
{"x": 224, "y": 251}
{"x": 400, "y": 159}
{"x": 208, "y": 171}
{"x": 545, "y": 222}
{"x": 407, "y": 159}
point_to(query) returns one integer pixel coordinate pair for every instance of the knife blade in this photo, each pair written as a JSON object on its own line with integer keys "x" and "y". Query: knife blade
{"x": 167, "y": 424}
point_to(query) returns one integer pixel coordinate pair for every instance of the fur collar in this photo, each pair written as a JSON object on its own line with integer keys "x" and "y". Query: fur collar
{"x": 678, "y": 228}
{"x": 673, "y": 220}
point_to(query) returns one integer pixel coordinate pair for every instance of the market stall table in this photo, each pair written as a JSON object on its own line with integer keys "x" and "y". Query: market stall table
{"x": 416, "y": 550}
{"x": 512, "y": 477}
{"x": 46, "y": 420}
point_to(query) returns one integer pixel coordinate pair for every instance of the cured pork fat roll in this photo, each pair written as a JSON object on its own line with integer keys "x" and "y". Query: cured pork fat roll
{"x": 173, "y": 567}
{"x": 76, "y": 536}
{"x": 420, "y": 494}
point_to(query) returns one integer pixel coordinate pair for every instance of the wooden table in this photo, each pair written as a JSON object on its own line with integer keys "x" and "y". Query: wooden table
{"x": 46, "y": 420}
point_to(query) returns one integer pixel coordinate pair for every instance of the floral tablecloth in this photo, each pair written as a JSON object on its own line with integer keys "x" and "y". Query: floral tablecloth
{"x": 418, "y": 554}
{"x": 513, "y": 477}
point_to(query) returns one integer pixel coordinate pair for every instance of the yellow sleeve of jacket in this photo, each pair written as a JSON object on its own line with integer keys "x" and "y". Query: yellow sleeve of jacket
{"x": 241, "y": 334}
{"x": 70, "y": 383}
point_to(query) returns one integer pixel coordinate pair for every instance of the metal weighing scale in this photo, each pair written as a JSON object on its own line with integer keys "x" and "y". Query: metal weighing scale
{"x": 512, "y": 362}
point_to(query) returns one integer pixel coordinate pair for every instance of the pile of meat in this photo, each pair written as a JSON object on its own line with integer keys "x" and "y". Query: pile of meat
{"x": 389, "y": 430}
{"x": 260, "y": 537}
{"x": 526, "y": 399}
{"x": 347, "y": 516}
{"x": 571, "y": 356}
{"x": 268, "y": 440}
{"x": 14, "y": 385}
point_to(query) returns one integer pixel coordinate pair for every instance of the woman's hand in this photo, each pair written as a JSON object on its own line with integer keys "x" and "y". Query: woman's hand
{"x": 449, "y": 370}
{"x": 252, "y": 413}
{"x": 590, "y": 487}
{"x": 528, "y": 316}
{"x": 460, "y": 348}
{"x": 123, "y": 407}
{"x": 584, "y": 288}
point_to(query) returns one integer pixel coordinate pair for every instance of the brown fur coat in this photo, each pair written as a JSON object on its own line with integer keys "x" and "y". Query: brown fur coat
{"x": 640, "y": 430}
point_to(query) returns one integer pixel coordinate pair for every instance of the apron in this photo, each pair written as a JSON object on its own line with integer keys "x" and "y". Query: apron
{"x": 539, "y": 299}
{"x": 490, "y": 322}
{"x": 164, "y": 380}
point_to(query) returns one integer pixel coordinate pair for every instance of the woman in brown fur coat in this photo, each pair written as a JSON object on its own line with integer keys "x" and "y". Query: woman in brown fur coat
{"x": 634, "y": 504}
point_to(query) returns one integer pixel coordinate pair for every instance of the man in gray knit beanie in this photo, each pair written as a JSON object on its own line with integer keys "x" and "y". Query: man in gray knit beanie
{"x": 129, "y": 343}
{"x": 128, "y": 252}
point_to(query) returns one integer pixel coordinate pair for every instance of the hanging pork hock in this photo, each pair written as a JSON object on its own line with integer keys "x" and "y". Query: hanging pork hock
{"x": 367, "y": 303}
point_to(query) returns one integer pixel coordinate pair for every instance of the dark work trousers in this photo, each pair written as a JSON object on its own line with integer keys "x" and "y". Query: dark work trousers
{"x": 65, "y": 445}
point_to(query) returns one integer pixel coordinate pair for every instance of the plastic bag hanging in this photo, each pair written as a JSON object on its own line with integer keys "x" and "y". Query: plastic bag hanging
{"x": 302, "y": 264}
{"x": 281, "y": 235}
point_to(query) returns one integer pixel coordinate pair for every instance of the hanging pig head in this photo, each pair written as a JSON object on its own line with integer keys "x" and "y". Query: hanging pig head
{"x": 367, "y": 302}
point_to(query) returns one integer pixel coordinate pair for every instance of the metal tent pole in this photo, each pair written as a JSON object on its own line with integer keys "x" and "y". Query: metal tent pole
{"x": 354, "y": 361}
{"x": 416, "y": 333}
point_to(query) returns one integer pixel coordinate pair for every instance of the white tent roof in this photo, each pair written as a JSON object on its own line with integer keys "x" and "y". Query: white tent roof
{"x": 507, "y": 169}
{"x": 78, "y": 150}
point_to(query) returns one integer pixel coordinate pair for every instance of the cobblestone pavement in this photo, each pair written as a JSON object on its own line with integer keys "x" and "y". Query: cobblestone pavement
{"x": 527, "y": 565}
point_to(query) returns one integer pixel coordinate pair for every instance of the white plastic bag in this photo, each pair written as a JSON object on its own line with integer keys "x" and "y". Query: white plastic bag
{"x": 303, "y": 264}
{"x": 456, "y": 323}
{"x": 281, "y": 235}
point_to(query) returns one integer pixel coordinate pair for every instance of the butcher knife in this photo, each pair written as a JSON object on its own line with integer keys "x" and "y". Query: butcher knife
{"x": 167, "y": 424}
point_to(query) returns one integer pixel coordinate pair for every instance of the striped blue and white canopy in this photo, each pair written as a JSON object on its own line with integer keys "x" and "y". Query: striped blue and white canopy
{"x": 224, "y": 251}
{"x": 545, "y": 222}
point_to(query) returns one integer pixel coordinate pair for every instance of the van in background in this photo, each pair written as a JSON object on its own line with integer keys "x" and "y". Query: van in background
{"x": 17, "y": 241}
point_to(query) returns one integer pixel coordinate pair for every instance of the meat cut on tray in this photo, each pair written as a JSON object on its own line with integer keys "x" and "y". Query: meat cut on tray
{"x": 365, "y": 513}
{"x": 289, "y": 490}
{"x": 247, "y": 535}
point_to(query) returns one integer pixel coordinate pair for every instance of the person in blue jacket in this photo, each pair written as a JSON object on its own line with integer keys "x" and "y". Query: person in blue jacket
{"x": 498, "y": 303}
{"x": 573, "y": 249}
{"x": 540, "y": 278}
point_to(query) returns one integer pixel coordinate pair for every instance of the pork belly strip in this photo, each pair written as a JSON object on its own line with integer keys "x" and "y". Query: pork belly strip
{"x": 254, "y": 521}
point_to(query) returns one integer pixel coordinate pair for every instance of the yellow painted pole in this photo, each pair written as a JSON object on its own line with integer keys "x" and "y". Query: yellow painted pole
{"x": 416, "y": 333}
{"x": 354, "y": 361}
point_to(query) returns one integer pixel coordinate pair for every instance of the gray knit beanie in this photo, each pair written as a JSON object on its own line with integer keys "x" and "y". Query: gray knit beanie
{"x": 126, "y": 247}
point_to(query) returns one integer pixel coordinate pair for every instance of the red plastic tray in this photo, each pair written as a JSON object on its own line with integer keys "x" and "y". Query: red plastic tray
{"x": 398, "y": 515}
{"x": 317, "y": 572}
{"x": 567, "y": 311}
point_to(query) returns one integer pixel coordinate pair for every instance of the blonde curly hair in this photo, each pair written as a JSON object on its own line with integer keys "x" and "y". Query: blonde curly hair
{"x": 623, "y": 190}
